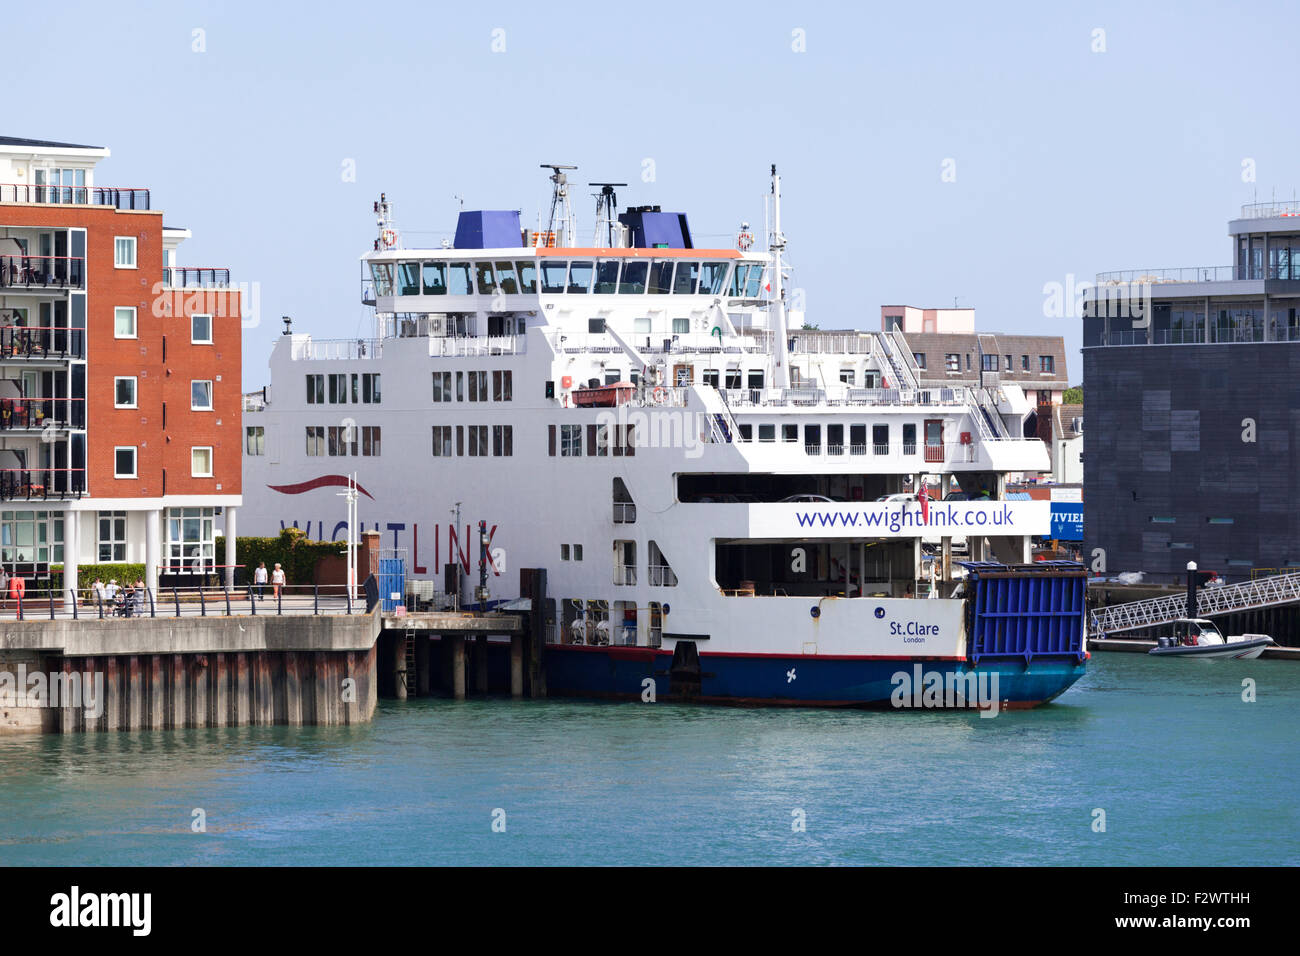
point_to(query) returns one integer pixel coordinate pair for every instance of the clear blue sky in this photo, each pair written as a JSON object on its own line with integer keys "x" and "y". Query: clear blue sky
{"x": 1067, "y": 161}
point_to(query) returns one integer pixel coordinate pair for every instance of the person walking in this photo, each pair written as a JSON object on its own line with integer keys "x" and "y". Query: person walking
{"x": 277, "y": 580}
{"x": 259, "y": 579}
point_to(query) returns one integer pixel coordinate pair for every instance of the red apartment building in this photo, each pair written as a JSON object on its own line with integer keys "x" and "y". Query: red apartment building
{"x": 120, "y": 400}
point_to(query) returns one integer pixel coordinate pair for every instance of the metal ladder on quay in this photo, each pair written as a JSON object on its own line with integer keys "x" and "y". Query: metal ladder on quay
{"x": 1271, "y": 591}
{"x": 408, "y": 675}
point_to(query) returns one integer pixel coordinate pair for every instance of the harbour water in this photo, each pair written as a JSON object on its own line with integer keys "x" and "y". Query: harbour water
{"x": 1185, "y": 771}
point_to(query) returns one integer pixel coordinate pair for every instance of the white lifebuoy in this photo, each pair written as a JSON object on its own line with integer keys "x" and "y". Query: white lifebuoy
{"x": 744, "y": 241}
{"x": 388, "y": 237}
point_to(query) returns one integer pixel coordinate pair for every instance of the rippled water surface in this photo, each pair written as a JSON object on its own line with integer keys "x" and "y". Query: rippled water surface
{"x": 1185, "y": 771}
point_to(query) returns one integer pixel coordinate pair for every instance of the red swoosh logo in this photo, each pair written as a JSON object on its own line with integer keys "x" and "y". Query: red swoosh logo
{"x": 324, "y": 481}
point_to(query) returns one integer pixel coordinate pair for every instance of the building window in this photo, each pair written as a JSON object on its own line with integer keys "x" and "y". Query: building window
{"x": 201, "y": 395}
{"x": 315, "y": 441}
{"x": 191, "y": 540}
{"x": 1008, "y": 365}
{"x": 477, "y": 438}
{"x": 370, "y": 440}
{"x": 370, "y": 388}
{"x": 123, "y": 322}
{"x": 124, "y": 461}
{"x": 123, "y": 252}
{"x": 201, "y": 329}
{"x": 124, "y": 392}
{"x": 953, "y": 361}
{"x": 442, "y": 441}
{"x": 112, "y": 536}
{"x": 1024, "y": 363}
{"x": 503, "y": 385}
{"x": 577, "y": 552}
{"x": 919, "y": 358}
{"x": 503, "y": 440}
{"x": 315, "y": 389}
{"x": 201, "y": 462}
{"x": 255, "y": 440}
{"x": 1046, "y": 363}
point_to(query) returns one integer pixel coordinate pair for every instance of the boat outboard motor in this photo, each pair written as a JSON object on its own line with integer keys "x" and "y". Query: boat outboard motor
{"x": 1164, "y": 640}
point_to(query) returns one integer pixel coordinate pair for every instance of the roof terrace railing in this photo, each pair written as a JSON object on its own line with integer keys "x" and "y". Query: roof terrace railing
{"x": 115, "y": 196}
{"x": 196, "y": 277}
{"x": 1270, "y": 210}
{"x": 1165, "y": 276}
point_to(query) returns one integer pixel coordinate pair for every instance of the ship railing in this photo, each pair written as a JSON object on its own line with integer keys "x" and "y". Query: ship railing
{"x": 957, "y": 452}
{"x": 661, "y": 576}
{"x": 672, "y": 396}
{"x": 624, "y": 512}
{"x": 834, "y": 450}
{"x": 625, "y": 574}
{"x": 822, "y": 343}
{"x": 858, "y": 449}
{"x": 878, "y": 449}
{"x": 309, "y": 349}
{"x": 472, "y": 345}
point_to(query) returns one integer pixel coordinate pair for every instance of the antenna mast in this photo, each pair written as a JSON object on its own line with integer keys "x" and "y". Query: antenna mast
{"x": 606, "y": 208}
{"x": 781, "y": 335}
{"x": 560, "y": 202}
{"x": 384, "y": 220}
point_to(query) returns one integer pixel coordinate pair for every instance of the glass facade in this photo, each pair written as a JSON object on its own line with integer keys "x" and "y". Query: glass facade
{"x": 191, "y": 540}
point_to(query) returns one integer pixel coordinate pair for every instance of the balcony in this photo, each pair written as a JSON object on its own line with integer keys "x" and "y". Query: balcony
{"x": 22, "y": 342}
{"x": 22, "y": 273}
{"x": 115, "y": 196}
{"x": 1270, "y": 210}
{"x": 196, "y": 277}
{"x": 41, "y": 484}
{"x": 19, "y": 414}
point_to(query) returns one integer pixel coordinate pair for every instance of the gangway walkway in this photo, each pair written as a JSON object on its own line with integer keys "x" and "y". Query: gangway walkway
{"x": 1262, "y": 592}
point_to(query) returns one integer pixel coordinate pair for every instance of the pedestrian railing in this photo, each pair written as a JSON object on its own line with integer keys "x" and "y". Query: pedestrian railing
{"x": 36, "y": 603}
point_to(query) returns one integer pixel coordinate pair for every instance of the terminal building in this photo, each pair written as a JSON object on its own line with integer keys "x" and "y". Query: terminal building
{"x": 120, "y": 395}
{"x": 1192, "y": 384}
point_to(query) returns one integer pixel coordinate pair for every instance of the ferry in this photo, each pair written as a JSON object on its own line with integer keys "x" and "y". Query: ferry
{"x": 730, "y": 506}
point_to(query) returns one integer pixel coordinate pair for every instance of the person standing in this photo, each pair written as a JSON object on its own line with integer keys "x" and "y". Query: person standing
{"x": 277, "y": 580}
{"x": 259, "y": 579}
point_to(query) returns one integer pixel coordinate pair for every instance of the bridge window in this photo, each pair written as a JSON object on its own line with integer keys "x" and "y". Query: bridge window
{"x": 527, "y": 277}
{"x": 812, "y": 439}
{"x": 606, "y": 277}
{"x": 661, "y": 277}
{"x": 506, "y": 278}
{"x": 580, "y": 277}
{"x": 789, "y": 433}
{"x": 553, "y": 275}
{"x": 634, "y": 278}
{"x": 408, "y": 278}
{"x": 382, "y": 273}
{"x": 687, "y": 274}
{"x": 435, "y": 278}
{"x": 713, "y": 277}
{"x": 755, "y": 281}
{"x": 458, "y": 279}
{"x": 755, "y": 378}
{"x": 486, "y": 282}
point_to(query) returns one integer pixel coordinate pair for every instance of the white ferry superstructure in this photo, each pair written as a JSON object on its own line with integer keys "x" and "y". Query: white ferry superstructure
{"x": 725, "y": 507}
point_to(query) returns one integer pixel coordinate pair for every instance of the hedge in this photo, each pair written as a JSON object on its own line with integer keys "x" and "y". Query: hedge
{"x": 122, "y": 572}
{"x": 290, "y": 549}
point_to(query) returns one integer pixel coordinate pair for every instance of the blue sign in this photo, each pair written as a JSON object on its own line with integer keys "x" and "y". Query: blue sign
{"x": 1067, "y": 521}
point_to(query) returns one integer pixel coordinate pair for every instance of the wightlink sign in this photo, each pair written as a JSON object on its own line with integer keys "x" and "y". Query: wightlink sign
{"x": 909, "y": 519}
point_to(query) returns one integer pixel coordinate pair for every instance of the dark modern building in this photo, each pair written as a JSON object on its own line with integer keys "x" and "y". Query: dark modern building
{"x": 1192, "y": 387}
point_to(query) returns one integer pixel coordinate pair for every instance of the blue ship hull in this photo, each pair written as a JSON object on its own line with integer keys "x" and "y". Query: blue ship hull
{"x": 795, "y": 680}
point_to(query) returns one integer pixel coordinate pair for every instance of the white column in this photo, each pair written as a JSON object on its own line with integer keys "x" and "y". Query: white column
{"x": 230, "y": 548}
{"x": 71, "y": 551}
{"x": 152, "y": 549}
